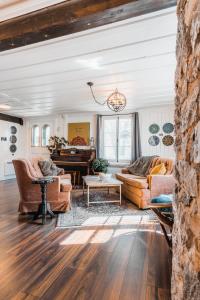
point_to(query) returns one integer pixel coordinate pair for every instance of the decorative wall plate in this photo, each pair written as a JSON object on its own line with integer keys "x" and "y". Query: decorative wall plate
{"x": 168, "y": 140}
{"x": 154, "y": 140}
{"x": 13, "y": 139}
{"x": 154, "y": 128}
{"x": 168, "y": 128}
{"x": 13, "y": 148}
{"x": 13, "y": 130}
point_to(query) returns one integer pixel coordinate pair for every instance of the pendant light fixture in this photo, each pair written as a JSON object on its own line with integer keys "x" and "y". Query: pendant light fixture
{"x": 115, "y": 102}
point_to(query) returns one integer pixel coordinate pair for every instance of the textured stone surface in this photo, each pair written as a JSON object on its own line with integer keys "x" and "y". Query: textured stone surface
{"x": 186, "y": 232}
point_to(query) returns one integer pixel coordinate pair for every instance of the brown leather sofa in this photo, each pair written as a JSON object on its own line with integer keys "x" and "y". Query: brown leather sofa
{"x": 58, "y": 192}
{"x": 139, "y": 190}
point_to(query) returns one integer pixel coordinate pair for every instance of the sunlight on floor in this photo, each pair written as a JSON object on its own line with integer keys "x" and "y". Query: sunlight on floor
{"x": 95, "y": 236}
{"x": 112, "y": 220}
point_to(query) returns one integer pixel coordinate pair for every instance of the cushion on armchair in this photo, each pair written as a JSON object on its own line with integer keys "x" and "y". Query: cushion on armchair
{"x": 48, "y": 168}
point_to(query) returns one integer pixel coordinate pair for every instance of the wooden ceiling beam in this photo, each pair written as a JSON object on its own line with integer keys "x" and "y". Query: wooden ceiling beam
{"x": 70, "y": 17}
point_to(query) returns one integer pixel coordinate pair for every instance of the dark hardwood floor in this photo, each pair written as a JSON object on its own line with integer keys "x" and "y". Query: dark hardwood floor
{"x": 41, "y": 262}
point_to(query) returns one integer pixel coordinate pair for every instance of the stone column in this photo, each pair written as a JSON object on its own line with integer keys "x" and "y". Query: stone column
{"x": 186, "y": 232}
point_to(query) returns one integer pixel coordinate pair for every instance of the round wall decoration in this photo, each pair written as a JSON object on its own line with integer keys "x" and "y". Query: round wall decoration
{"x": 13, "y": 130}
{"x": 168, "y": 128}
{"x": 154, "y": 128}
{"x": 168, "y": 140}
{"x": 13, "y": 139}
{"x": 13, "y": 148}
{"x": 154, "y": 140}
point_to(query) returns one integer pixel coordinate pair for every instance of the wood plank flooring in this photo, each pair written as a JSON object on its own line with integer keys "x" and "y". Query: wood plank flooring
{"x": 127, "y": 262}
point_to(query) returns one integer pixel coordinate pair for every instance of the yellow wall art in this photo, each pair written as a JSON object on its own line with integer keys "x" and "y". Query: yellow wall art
{"x": 79, "y": 134}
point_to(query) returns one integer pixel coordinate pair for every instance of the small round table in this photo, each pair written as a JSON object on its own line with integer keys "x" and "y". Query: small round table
{"x": 44, "y": 208}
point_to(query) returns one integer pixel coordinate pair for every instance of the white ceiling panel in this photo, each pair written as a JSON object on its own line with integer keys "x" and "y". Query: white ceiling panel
{"x": 137, "y": 56}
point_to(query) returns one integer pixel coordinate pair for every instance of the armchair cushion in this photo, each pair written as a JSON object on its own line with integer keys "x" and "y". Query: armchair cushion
{"x": 48, "y": 168}
{"x": 65, "y": 185}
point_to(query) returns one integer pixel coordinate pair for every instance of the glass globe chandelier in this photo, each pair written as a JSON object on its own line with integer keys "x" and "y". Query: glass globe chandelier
{"x": 115, "y": 102}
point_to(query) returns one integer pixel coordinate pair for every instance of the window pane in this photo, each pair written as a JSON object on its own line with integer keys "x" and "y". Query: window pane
{"x": 35, "y": 136}
{"x": 45, "y": 135}
{"x": 110, "y": 141}
{"x": 124, "y": 147}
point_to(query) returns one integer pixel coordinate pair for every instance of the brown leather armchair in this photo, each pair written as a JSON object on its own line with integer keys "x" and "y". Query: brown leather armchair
{"x": 58, "y": 192}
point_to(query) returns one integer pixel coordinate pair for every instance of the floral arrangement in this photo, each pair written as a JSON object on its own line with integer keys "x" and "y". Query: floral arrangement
{"x": 56, "y": 143}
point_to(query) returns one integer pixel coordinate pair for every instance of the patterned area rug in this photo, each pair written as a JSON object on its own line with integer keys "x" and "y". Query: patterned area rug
{"x": 101, "y": 214}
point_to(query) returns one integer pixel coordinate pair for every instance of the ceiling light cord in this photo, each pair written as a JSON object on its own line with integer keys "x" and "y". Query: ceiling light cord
{"x": 90, "y": 84}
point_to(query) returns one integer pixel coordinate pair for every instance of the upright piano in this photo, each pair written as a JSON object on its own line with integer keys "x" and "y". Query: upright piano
{"x": 75, "y": 160}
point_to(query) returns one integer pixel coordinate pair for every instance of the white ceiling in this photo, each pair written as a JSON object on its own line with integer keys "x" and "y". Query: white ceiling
{"x": 137, "y": 56}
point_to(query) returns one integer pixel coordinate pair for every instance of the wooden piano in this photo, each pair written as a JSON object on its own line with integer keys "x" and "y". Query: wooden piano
{"x": 75, "y": 160}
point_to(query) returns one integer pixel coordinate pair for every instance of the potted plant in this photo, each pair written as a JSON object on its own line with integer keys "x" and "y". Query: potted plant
{"x": 100, "y": 165}
{"x": 56, "y": 143}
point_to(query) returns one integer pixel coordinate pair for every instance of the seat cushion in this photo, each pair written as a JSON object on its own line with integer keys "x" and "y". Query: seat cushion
{"x": 133, "y": 180}
{"x": 65, "y": 185}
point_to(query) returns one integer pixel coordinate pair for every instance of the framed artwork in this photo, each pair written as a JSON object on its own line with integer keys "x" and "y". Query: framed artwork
{"x": 79, "y": 134}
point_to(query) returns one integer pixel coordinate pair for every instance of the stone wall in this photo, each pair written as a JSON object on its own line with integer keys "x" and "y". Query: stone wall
{"x": 186, "y": 233}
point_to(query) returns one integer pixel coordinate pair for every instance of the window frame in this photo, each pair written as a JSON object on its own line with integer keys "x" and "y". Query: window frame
{"x": 117, "y": 118}
{"x": 32, "y": 133}
{"x": 43, "y": 127}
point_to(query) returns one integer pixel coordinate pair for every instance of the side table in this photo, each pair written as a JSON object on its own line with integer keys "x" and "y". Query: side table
{"x": 44, "y": 208}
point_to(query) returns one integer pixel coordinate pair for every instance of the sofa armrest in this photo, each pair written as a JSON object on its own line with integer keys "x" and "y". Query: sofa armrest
{"x": 125, "y": 171}
{"x": 162, "y": 184}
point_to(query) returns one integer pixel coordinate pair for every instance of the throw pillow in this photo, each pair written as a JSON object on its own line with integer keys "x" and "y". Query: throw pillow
{"x": 48, "y": 168}
{"x": 159, "y": 170}
{"x": 141, "y": 166}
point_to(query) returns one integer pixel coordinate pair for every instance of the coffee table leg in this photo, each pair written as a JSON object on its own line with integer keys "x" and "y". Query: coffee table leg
{"x": 120, "y": 194}
{"x": 83, "y": 187}
{"x": 88, "y": 195}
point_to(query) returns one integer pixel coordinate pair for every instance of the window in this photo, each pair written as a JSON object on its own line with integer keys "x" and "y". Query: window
{"x": 45, "y": 135}
{"x": 117, "y": 138}
{"x": 35, "y": 136}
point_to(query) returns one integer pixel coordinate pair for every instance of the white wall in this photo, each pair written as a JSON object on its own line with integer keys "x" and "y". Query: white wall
{"x": 59, "y": 127}
{"x": 59, "y": 123}
{"x": 159, "y": 115}
{"x": 5, "y": 154}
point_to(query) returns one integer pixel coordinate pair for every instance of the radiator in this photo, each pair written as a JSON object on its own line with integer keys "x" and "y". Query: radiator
{"x": 9, "y": 169}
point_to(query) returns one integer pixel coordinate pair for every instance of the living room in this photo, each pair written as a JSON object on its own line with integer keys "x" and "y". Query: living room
{"x": 99, "y": 169}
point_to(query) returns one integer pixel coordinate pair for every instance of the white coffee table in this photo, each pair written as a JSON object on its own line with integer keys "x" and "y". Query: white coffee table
{"x": 95, "y": 182}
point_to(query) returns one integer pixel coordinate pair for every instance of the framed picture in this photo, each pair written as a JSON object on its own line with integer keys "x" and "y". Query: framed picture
{"x": 79, "y": 134}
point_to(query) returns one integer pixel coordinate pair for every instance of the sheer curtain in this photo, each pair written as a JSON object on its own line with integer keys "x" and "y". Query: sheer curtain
{"x": 129, "y": 147}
